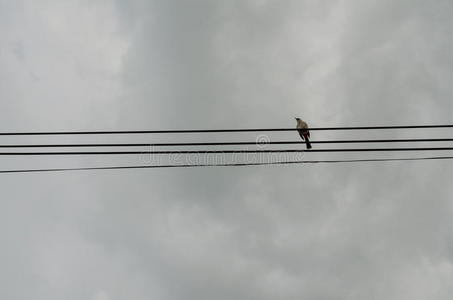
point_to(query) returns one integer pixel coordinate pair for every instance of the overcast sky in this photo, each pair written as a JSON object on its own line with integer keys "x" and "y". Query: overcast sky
{"x": 362, "y": 231}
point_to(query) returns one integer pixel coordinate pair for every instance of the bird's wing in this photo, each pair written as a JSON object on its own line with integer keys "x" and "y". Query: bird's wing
{"x": 301, "y": 134}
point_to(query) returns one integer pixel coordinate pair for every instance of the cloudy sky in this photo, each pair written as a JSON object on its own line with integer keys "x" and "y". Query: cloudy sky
{"x": 362, "y": 231}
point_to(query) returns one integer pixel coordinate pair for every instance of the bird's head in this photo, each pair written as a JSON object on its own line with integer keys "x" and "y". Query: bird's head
{"x": 297, "y": 119}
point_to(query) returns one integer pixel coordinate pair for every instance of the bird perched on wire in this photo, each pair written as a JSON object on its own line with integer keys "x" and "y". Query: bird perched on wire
{"x": 304, "y": 133}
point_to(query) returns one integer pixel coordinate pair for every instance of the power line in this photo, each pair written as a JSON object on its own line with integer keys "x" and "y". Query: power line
{"x": 220, "y": 130}
{"x": 225, "y": 165}
{"x": 223, "y": 151}
{"x": 220, "y": 143}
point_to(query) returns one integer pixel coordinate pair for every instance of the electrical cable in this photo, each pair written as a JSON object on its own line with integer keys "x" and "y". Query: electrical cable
{"x": 220, "y": 130}
{"x": 223, "y": 151}
{"x": 225, "y": 165}
{"x": 258, "y": 143}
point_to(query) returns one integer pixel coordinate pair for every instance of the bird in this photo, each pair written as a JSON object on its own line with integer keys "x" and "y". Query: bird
{"x": 302, "y": 128}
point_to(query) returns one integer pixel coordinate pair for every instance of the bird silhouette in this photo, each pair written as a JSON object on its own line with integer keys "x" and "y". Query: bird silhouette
{"x": 304, "y": 133}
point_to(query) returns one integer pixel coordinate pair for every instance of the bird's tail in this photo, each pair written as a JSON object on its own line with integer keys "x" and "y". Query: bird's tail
{"x": 307, "y": 142}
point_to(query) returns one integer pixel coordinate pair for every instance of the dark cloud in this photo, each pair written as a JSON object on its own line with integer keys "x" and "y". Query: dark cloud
{"x": 315, "y": 231}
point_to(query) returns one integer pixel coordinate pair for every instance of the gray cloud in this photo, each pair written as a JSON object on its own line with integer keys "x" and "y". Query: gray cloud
{"x": 315, "y": 231}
